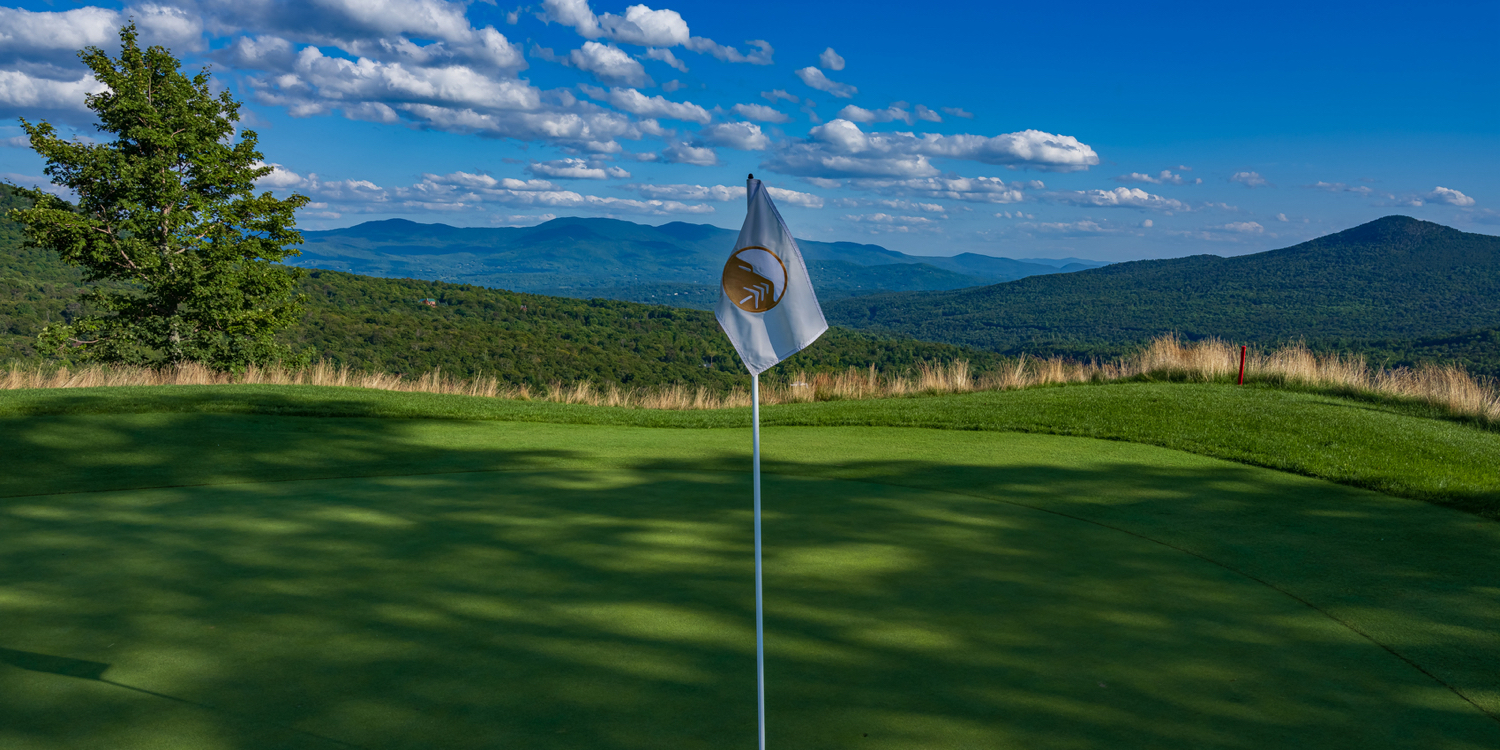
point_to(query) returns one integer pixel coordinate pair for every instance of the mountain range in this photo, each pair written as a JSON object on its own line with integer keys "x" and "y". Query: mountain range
{"x": 1395, "y": 278}
{"x": 676, "y": 264}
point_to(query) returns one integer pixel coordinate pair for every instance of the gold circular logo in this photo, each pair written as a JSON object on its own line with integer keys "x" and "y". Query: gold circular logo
{"x": 754, "y": 279}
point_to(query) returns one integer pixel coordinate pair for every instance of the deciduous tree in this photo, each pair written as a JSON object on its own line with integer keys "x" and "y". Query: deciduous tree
{"x": 166, "y": 204}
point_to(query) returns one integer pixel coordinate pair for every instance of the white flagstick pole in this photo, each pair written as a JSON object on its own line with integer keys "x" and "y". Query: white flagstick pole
{"x": 760, "y": 643}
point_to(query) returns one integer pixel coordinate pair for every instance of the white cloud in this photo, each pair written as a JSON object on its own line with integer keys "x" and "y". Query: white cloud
{"x": 967, "y": 189}
{"x": 761, "y": 56}
{"x": 894, "y": 204}
{"x": 1147, "y": 224}
{"x": 21, "y": 94}
{"x": 815, "y": 78}
{"x": 575, "y": 169}
{"x": 1165, "y": 177}
{"x": 1243, "y": 227}
{"x": 1249, "y": 179}
{"x": 575, "y": 13}
{"x": 609, "y": 64}
{"x": 1077, "y": 228}
{"x": 682, "y": 153}
{"x": 280, "y": 178}
{"x": 745, "y": 136}
{"x": 672, "y": 85}
{"x": 646, "y": 27}
{"x": 1449, "y": 196}
{"x": 640, "y": 105}
{"x": 883, "y": 218}
{"x": 860, "y": 114}
{"x": 923, "y": 113}
{"x": 840, "y": 149}
{"x": 462, "y": 191}
{"x": 1119, "y": 198}
{"x": 666, "y": 56}
{"x": 1339, "y": 187}
{"x": 520, "y": 220}
{"x": 958, "y": 112}
{"x": 1013, "y": 215}
{"x": 759, "y": 113}
{"x": 831, "y": 60}
{"x": 775, "y": 94}
{"x": 723, "y": 193}
{"x": 1281, "y": 217}
{"x": 826, "y": 184}
{"x": 319, "y": 83}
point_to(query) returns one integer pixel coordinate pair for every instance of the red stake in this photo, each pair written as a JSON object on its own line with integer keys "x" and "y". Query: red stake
{"x": 1242, "y": 363}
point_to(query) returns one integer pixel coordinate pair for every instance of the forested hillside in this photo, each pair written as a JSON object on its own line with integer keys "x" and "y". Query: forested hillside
{"x": 1392, "y": 279}
{"x": 384, "y": 325}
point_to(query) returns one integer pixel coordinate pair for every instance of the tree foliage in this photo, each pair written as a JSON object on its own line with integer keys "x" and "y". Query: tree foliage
{"x": 166, "y": 208}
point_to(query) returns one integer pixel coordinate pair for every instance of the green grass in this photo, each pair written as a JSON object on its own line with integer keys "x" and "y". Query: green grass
{"x": 1407, "y": 450}
{"x": 235, "y": 568}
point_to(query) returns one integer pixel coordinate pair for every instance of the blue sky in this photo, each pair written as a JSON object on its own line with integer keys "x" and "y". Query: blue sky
{"x": 1106, "y": 131}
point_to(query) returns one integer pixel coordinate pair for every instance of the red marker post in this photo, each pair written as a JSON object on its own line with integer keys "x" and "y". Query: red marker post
{"x": 1242, "y": 363}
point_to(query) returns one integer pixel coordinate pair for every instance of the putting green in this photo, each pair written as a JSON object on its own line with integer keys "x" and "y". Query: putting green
{"x": 196, "y": 581}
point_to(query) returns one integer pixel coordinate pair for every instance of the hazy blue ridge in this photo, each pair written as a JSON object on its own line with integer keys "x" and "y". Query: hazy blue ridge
{"x": 614, "y": 259}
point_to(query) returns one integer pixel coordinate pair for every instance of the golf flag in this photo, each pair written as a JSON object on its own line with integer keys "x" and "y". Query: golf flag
{"x": 766, "y": 302}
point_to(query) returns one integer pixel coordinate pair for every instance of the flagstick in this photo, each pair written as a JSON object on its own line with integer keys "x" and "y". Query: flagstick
{"x": 760, "y": 643}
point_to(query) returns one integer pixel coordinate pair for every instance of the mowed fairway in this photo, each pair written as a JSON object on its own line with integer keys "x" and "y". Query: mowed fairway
{"x": 181, "y": 580}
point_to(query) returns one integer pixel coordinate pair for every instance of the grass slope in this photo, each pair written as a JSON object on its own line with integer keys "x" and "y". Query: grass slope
{"x": 261, "y": 580}
{"x": 1393, "y": 278}
{"x": 1399, "y": 449}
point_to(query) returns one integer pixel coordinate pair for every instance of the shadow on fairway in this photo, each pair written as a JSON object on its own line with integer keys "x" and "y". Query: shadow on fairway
{"x": 481, "y": 598}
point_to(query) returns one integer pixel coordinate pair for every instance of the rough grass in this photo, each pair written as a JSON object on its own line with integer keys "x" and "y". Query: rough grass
{"x": 1445, "y": 386}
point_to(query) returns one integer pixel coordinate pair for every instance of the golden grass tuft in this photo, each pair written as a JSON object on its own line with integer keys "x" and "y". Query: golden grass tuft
{"x": 1167, "y": 357}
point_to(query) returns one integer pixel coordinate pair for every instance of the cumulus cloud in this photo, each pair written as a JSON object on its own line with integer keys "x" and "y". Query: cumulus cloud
{"x": 666, "y": 56}
{"x": 860, "y": 114}
{"x": 761, "y": 56}
{"x": 1243, "y": 227}
{"x": 878, "y": 223}
{"x": 609, "y": 64}
{"x": 815, "y": 78}
{"x": 830, "y": 60}
{"x": 775, "y": 94}
{"x": 1165, "y": 177}
{"x": 575, "y": 169}
{"x": 1339, "y": 187}
{"x": 759, "y": 113}
{"x": 1449, "y": 196}
{"x": 745, "y": 136}
{"x": 640, "y": 105}
{"x": 723, "y": 193}
{"x": 967, "y": 189}
{"x": 894, "y": 204}
{"x": 463, "y": 191}
{"x": 840, "y": 149}
{"x": 646, "y": 27}
{"x": 1249, "y": 179}
{"x": 684, "y": 153}
{"x": 22, "y": 94}
{"x": 1075, "y": 228}
{"x": 958, "y": 112}
{"x": 1118, "y": 198}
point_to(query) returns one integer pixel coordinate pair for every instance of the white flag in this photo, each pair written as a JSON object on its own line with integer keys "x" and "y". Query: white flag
{"x": 766, "y": 302}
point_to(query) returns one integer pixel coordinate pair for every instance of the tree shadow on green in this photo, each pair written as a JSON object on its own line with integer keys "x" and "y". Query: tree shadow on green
{"x": 532, "y": 598}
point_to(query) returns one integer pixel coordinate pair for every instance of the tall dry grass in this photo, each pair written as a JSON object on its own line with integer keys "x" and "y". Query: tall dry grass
{"x": 1168, "y": 357}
